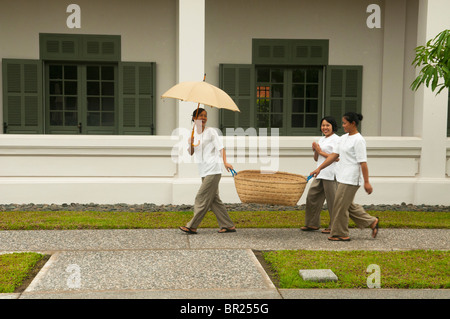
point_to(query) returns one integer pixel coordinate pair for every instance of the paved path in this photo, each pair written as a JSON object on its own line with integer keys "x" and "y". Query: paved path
{"x": 168, "y": 264}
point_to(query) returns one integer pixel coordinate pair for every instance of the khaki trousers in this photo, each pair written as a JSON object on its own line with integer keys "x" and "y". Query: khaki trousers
{"x": 208, "y": 198}
{"x": 319, "y": 190}
{"x": 345, "y": 208}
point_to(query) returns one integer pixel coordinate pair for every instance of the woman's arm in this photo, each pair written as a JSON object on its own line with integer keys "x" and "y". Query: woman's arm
{"x": 365, "y": 173}
{"x": 224, "y": 157}
{"x": 316, "y": 154}
{"x": 330, "y": 159}
{"x": 191, "y": 147}
{"x": 318, "y": 151}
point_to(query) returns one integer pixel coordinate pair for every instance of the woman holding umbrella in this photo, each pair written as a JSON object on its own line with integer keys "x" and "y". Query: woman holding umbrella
{"x": 208, "y": 156}
{"x": 351, "y": 172}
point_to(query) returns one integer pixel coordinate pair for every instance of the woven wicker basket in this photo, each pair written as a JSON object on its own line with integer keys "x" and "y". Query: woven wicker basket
{"x": 275, "y": 188}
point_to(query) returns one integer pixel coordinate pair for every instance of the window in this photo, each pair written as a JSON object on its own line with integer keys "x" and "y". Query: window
{"x": 81, "y": 98}
{"x": 79, "y": 86}
{"x": 289, "y": 86}
{"x": 289, "y": 99}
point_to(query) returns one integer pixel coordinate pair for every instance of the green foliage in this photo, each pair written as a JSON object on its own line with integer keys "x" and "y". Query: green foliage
{"x": 434, "y": 58}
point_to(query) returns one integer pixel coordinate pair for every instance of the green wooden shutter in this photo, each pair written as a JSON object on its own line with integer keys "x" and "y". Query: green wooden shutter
{"x": 137, "y": 98}
{"x": 101, "y": 47}
{"x": 59, "y": 46}
{"x": 271, "y": 51}
{"x": 343, "y": 91}
{"x": 79, "y": 47}
{"x": 238, "y": 80}
{"x": 22, "y": 96}
{"x": 290, "y": 51}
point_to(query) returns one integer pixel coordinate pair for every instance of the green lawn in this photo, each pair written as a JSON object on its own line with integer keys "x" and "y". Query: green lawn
{"x": 268, "y": 219}
{"x": 15, "y": 268}
{"x": 416, "y": 269}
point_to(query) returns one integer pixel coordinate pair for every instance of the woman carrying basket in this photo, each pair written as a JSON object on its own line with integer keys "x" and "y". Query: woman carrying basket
{"x": 207, "y": 155}
{"x": 352, "y": 164}
{"x": 324, "y": 185}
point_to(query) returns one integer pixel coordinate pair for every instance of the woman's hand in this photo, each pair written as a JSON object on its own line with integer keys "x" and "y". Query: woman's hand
{"x": 368, "y": 188}
{"x": 316, "y": 147}
{"x": 228, "y": 166}
{"x": 315, "y": 172}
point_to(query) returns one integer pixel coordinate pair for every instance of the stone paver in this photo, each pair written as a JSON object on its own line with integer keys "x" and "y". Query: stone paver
{"x": 166, "y": 263}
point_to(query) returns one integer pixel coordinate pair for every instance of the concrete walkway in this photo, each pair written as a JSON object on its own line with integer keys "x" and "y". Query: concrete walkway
{"x": 169, "y": 264}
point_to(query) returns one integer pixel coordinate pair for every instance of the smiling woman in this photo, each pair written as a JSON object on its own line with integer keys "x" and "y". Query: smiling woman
{"x": 324, "y": 185}
{"x": 208, "y": 154}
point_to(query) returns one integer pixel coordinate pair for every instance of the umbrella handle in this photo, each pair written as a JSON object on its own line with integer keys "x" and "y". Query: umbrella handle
{"x": 192, "y": 134}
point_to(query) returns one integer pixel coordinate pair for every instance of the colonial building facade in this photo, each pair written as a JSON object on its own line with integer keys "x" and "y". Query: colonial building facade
{"x": 83, "y": 120}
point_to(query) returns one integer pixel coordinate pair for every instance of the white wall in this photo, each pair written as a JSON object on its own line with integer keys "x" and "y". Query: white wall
{"x": 139, "y": 169}
{"x": 133, "y": 170}
{"x": 147, "y": 30}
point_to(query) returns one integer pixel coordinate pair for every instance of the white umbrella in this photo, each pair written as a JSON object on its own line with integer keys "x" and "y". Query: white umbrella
{"x": 201, "y": 93}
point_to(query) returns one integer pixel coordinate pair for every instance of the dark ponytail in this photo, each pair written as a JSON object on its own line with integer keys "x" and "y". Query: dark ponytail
{"x": 353, "y": 117}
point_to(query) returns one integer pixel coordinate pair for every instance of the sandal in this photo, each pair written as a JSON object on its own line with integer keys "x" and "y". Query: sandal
{"x": 187, "y": 230}
{"x": 336, "y": 238}
{"x": 307, "y": 228}
{"x": 227, "y": 230}
{"x": 375, "y": 229}
{"x": 326, "y": 231}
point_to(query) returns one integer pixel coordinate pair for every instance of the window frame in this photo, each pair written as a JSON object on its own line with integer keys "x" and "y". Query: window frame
{"x": 27, "y": 112}
{"x": 81, "y": 126}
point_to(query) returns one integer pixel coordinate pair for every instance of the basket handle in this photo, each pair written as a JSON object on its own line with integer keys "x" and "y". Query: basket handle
{"x": 233, "y": 172}
{"x": 309, "y": 177}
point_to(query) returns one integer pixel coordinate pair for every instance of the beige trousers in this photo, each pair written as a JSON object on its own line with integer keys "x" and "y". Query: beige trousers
{"x": 319, "y": 190}
{"x": 208, "y": 198}
{"x": 344, "y": 208}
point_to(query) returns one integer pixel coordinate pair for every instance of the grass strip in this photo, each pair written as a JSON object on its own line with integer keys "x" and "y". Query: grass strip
{"x": 417, "y": 269}
{"x": 15, "y": 268}
{"x": 33, "y": 220}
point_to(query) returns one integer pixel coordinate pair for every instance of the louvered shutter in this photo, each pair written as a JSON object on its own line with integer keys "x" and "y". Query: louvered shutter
{"x": 271, "y": 51}
{"x": 59, "y": 47}
{"x": 343, "y": 91}
{"x": 79, "y": 47}
{"x": 137, "y": 98}
{"x": 238, "y": 80}
{"x": 22, "y": 96}
{"x": 101, "y": 48}
{"x": 290, "y": 52}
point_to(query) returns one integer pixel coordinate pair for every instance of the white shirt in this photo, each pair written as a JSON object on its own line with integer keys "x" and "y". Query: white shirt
{"x": 207, "y": 154}
{"x": 352, "y": 152}
{"x": 328, "y": 145}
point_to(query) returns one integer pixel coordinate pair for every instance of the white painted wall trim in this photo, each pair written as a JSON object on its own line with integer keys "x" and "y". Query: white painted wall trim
{"x": 50, "y": 169}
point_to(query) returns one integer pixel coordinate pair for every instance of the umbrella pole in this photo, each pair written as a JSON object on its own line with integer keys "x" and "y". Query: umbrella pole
{"x": 196, "y": 117}
{"x": 193, "y": 128}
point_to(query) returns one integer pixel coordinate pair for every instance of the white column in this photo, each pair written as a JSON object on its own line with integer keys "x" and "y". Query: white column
{"x": 190, "y": 67}
{"x": 393, "y": 68}
{"x": 191, "y": 51}
{"x": 431, "y": 112}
